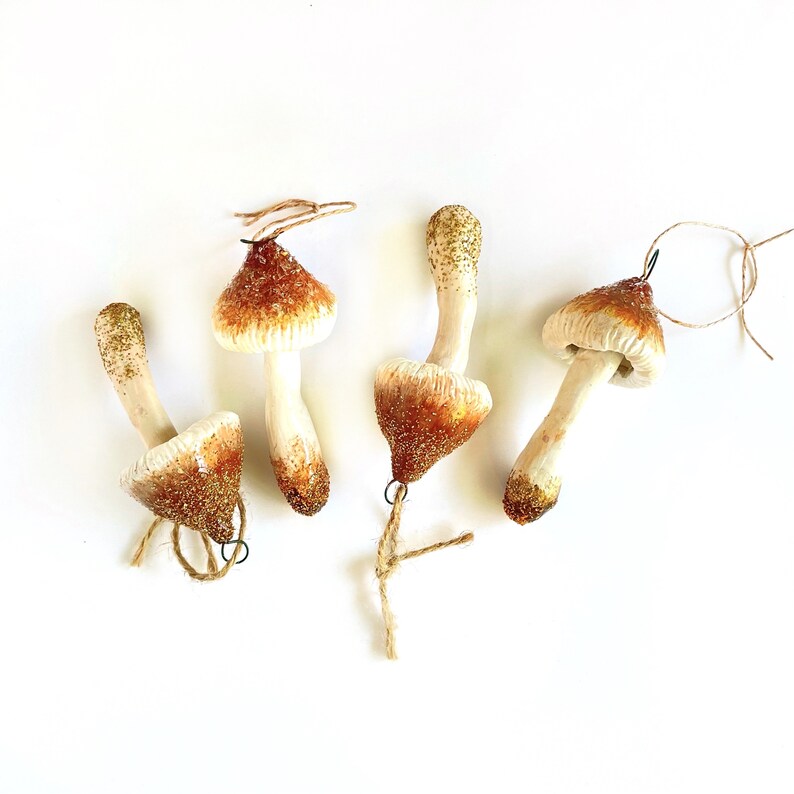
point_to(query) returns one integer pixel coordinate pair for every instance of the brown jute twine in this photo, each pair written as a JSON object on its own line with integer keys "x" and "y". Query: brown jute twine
{"x": 308, "y": 211}
{"x": 749, "y": 277}
{"x": 213, "y": 572}
{"x": 389, "y": 560}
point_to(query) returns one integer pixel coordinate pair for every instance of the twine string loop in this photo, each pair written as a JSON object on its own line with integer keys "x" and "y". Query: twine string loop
{"x": 305, "y": 212}
{"x": 213, "y": 572}
{"x": 749, "y": 276}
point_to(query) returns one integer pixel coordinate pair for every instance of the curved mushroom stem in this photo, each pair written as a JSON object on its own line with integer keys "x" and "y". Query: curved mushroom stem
{"x": 454, "y": 238}
{"x": 534, "y": 482}
{"x": 119, "y": 334}
{"x": 456, "y": 312}
{"x": 295, "y": 451}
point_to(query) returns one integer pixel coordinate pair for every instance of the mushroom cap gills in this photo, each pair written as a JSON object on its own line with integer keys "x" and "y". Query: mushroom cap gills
{"x": 620, "y": 317}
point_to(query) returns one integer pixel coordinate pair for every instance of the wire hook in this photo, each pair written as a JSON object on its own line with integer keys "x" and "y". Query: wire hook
{"x": 386, "y": 490}
{"x": 234, "y": 543}
{"x": 651, "y": 265}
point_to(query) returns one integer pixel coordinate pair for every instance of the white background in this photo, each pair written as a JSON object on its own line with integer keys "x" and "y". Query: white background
{"x": 638, "y": 638}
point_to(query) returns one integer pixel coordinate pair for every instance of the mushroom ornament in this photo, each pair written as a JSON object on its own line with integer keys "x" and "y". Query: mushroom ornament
{"x": 610, "y": 334}
{"x": 276, "y": 307}
{"x": 427, "y": 410}
{"x": 190, "y": 478}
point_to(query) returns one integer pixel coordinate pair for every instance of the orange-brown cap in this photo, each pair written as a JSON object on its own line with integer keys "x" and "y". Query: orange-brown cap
{"x": 425, "y": 412}
{"x": 193, "y": 479}
{"x": 620, "y": 317}
{"x": 273, "y": 304}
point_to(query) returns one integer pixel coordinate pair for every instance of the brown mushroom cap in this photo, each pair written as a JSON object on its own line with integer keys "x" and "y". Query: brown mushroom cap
{"x": 193, "y": 479}
{"x": 620, "y": 317}
{"x": 273, "y": 304}
{"x": 425, "y": 412}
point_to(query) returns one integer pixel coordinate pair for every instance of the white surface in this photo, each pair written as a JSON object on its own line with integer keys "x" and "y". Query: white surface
{"x": 638, "y": 638}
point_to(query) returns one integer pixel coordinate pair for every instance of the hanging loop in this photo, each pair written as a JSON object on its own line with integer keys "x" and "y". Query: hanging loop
{"x": 306, "y": 212}
{"x": 749, "y": 276}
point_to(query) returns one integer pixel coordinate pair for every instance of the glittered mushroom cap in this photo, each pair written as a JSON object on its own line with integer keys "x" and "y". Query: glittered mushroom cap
{"x": 620, "y": 317}
{"x": 193, "y": 479}
{"x": 272, "y": 304}
{"x": 425, "y": 412}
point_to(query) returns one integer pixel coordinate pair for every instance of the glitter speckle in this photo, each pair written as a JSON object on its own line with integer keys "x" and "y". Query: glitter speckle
{"x": 303, "y": 479}
{"x": 273, "y": 304}
{"x": 193, "y": 479}
{"x": 121, "y": 342}
{"x": 454, "y": 241}
{"x": 629, "y": 301}
{"x": 525, "y": 501}
{"x": 425, "y": 412}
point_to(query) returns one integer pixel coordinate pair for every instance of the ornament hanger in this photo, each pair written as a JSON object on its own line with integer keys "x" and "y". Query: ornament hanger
{"x": 311, "y": 211}
{"x": 749, "y": 276}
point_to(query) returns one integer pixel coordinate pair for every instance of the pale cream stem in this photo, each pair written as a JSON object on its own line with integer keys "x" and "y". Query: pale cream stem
{"x": 286, "y": 416}
{"x": 454, "y": 239}
{"x": 534, "y": 482}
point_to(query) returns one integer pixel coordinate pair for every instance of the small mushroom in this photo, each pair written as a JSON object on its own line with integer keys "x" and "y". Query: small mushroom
{"x": 191, "y": 478}
{"x": 608, "y": 334}
{"x": 274, "y": 306}
{"x": 427, "y": 410}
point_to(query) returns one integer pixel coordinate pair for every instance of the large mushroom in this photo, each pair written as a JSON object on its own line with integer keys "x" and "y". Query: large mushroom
{"x": 191, "y": 478}
{"x": 274, "y": 306}
{"x": 608, "y": 334}
{"x": 428, "y": 409}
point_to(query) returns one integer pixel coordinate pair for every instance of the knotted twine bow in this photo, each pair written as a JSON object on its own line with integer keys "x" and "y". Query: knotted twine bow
{"x": 388, "y": 561}
{"x": 213, "y": 572}
{"x": 749, "y": 277}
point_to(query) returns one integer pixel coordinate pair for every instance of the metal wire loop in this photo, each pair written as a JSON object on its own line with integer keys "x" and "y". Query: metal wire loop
{"x": 651, "y": 265}
{"x": 234, "y": 543}
{"x": 386, "y": 490}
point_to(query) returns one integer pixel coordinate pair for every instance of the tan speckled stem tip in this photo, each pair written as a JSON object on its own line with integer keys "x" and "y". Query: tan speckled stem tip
{"x": 119, "y": 334}
{"x": 454, "y": 240}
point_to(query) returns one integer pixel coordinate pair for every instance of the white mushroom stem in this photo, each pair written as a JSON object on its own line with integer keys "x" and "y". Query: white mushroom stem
{"x": 456, "y": 312}
{"x": 539, "y": 460}
{"x": 290, "y": 430}
{"x": 453, "y": 244}
{"x": 123, "y": 349}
